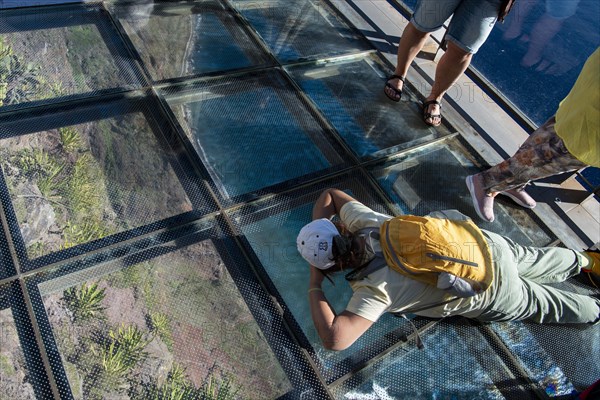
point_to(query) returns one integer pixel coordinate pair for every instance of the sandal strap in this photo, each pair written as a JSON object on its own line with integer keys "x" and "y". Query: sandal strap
{"x": 401, "y": 78}
{"x": 430, "y": 102}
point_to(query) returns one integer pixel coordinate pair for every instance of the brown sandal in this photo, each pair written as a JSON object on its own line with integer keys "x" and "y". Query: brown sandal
{"x": 396, "y": 91}
{"x": 427, "y": 115}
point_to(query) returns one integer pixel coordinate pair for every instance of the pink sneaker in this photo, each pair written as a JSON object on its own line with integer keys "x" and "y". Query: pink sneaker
{"x": 520, "y": 197}
{"x": 484, "y": 204}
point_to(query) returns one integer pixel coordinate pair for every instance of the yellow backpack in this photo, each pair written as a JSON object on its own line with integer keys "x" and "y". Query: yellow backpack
{"x": 422, "y": 247}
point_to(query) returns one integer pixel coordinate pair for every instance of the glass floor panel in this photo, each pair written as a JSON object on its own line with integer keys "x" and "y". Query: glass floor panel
{"x": 61, "y": 51}
{"x": 301, "y": 29}
{"x": 549, "y": 356}
{"x": 538, "y": 363}
{"x": 433, "y": 178}
{"x": 71, "y": 178}
{"x": 129, "y": 325}
{"x": 400, "y": 374}
{"x": 177, "y": 180}
{"x": 13, "y": 383}
{"x": 183, "y": 40}
{"x": 369, "y": 122}
{"x": 252, "y": 132}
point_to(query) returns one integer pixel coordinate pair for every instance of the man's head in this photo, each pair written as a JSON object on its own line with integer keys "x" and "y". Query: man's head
{"x": 315, "y": 243}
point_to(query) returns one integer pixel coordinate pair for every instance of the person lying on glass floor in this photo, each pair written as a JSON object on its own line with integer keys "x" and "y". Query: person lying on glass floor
{"x": 435, "y": 266}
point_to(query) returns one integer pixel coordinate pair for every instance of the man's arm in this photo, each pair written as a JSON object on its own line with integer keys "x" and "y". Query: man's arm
{"x": 329, "y": 203}
{"x": 337, "y": 332}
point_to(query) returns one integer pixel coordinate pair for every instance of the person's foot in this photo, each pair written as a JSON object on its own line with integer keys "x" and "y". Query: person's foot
{"x": 593, "y": 270}
{"x": 482, "y": 202}
{"x": 531, "y": 60}
{"x": 393, "y": 87}
{"x": 513, "y": 31}
{"x": 431, "y": 110}
{"x": 520, "y": 197}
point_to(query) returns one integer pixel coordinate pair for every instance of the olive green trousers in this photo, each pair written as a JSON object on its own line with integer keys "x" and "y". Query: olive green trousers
{"x": 521, "y": 289}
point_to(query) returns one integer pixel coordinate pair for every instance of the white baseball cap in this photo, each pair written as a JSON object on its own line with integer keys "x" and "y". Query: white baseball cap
{"x": 315, "y": 242}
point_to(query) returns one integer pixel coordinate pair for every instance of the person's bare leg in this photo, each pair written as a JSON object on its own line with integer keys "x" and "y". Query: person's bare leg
{"x": 411, "y": 42}
{"x": 518, "y": 15}
{"x": 450, "y": 67}
{"x": 542, "y": 33}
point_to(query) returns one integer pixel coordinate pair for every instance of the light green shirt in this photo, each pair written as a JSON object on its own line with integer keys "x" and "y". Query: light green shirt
{"x": 386, "y": 290}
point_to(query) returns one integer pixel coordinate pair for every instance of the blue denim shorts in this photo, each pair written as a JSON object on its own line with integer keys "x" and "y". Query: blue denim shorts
{"x": 471, "y": 23}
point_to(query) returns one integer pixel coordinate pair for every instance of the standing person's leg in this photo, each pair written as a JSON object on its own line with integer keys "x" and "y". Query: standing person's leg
{"x": 469, "y": 28}
{"x": 542, "y": 154}
{"x": 411, "y": 43}
{"x": 518, "y": 16}
{"x": 428, "y": 17}
{"x": 546, "y": 27}
{"x": 518, "y": 292}
{"x": 451, "y": 66}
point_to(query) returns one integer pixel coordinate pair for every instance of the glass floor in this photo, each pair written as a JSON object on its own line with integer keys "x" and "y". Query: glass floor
{"x": 157, "y": 163}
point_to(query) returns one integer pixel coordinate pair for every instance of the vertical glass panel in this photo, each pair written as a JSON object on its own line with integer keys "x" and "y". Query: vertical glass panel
{"x": 433, "y": 178}
{"x": 251, "y": 132}
{"x": 271, "y": 231}
{"x": 175, "y": 41}
{"x": 349, "y": 92}
{"x": 456, "y": 363}
{"x": 168, "y": 319}
{"x": 300, "y": 29}
{"x": 539, "y": 51}
{"x": 73, "y": 178}
{"x": 61, "y": 51}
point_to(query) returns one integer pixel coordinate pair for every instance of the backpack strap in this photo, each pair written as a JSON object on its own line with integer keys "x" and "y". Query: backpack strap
{"x": 418, "y": 340}
{"x": 427, "y": 307}
{"x": 375, "y": 264}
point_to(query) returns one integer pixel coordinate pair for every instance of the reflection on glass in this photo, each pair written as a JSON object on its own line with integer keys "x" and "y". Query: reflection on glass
{"x": 400, "y": 375}
{"x": 557, "y": 371}
{"x": 53, "y": 54}
{"x": 300, "y": 28}
{"x": 78, "y": 183}
{"x": 252, "y": 133}
{"x": 433, "y": 179}
{"x": 539, "y": 364}
{"x": 14, "y": 376}
{"x": 349, "y": 93}
{"x": 540, "y": 49}
{"x": 172, "y": 324}
{"x": 173, "y": 42}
